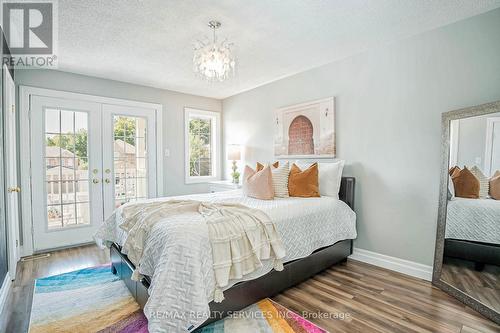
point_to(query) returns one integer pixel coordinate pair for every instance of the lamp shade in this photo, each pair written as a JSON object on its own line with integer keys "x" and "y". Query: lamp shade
{"x": 233, "y": 152}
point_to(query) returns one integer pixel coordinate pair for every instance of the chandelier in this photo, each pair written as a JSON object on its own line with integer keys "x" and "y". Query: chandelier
{"x": 214, "y": 61}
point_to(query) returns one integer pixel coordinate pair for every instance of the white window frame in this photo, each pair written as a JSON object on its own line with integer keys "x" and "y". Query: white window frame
{"x": 216, "y": 146}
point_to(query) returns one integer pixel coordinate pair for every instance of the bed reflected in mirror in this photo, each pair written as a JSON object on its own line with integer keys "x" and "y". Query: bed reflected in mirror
{"x": 471, "y": 247}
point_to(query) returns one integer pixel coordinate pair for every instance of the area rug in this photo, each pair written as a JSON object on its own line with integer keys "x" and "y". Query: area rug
{"x": 95, "y": 300}
{"x": 87, "y": 300}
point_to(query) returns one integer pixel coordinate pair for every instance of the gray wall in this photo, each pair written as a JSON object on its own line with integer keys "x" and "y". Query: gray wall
{"x": 173, "y": 113}
{"x": 389, "y": 103}
{"x": 472, "y": 141}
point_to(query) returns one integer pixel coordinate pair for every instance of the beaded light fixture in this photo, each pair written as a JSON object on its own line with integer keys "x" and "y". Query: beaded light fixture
{"x": 214, "y": 61}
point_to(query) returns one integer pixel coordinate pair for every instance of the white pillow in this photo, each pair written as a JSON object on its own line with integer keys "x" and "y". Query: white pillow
{"x": 330, "y": 176}
{"x": 280, "y": 180}
{"x": 451, "y": 189}
{"x": 484, "y": 183}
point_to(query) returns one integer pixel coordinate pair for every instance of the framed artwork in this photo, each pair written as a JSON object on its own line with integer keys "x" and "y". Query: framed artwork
{"x": 305, "y": 130}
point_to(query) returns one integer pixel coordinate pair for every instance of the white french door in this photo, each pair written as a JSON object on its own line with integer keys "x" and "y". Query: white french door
{"x": 66, "y": 171}
{"x": 87, "y": 159}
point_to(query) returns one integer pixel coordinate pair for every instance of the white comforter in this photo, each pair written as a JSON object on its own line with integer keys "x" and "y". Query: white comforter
{"x": 178, "y": 255}
{"x": 474, "y": 220}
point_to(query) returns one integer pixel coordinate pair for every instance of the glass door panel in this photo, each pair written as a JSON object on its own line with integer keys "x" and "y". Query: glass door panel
{"x": 66, "y": 148}
{"x": 129, "y": 155}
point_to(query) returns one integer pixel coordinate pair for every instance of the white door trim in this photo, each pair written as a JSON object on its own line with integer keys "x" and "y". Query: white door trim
{"x": 25, "y": 93}
{"x": 454, "y": 138}
{"x": 11, "y": 179}
{"x": 489, "y": 144}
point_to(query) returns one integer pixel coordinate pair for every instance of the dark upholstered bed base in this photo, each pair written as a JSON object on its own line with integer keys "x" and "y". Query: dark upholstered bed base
{"x": 248, "y": 292}
{"x": 480, "y": 253}
{"x": 245, "y": 293}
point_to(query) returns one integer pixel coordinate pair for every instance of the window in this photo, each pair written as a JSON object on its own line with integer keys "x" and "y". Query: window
{"x": 202, "y": 148}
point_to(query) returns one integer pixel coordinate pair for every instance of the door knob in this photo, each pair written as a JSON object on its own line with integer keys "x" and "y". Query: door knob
{"x": 107, "y": 170}
{"x": 14, "y": 189}
{"x": 107, "y": 180}
{"x": 95, "y": 181}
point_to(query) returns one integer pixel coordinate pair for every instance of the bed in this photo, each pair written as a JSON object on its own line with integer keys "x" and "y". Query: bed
{"x": 317, "y": 233}
{"x": 473, "y": 230}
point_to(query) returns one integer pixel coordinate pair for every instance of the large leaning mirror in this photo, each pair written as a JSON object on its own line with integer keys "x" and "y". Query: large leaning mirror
{"x": 467, "y": 257}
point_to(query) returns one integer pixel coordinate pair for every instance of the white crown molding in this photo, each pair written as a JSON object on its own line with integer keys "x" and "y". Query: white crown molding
{"x": 395, "y": 264}
{"x": 4, "y": 291}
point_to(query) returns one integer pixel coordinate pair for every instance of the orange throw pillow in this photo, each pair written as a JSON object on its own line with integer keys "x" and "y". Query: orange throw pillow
{"x": 303, "y": 183}
{"x": 258, "y": 184}
{"x": 452, "y": 170}
{"x": 261, "y": 166}
{"x": 495, "y": 186}
{"x": 466, "y": 184}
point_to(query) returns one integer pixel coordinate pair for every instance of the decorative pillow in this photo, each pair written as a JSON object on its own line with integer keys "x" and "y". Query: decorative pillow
{"x": 261, "y": 166}
{"x": 258, "y": 184}
{"x": 455, "y": 171}
{"x": 466, "y": 184}
{"x": 484, "y": 184}
{"x": 495, "y": 186}
{"x": 303, "y": 183}
{"x": 451, "y": 189}
{"x": 330, "y": 176}
{"x": 452, "y": 170}
{"x": 280, "y": 180}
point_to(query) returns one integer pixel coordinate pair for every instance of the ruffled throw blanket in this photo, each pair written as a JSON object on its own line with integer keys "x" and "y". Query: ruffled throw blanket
{"x": 240, "y": 237}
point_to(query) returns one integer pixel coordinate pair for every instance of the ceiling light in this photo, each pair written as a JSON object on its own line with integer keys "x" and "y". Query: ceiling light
{"x": 214, "y": 61}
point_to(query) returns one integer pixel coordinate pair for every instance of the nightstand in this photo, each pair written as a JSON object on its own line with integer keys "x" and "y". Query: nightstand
{"x": 223, "y": 185}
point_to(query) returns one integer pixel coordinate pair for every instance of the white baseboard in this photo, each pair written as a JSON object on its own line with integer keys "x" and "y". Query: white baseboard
{"x": 395, "y": 264}
{"x": 4, "y": 291}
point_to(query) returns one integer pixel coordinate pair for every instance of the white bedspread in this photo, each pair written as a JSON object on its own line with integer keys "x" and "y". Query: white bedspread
{"x": 473, "y": 219}
{"x": 183, "y": 281}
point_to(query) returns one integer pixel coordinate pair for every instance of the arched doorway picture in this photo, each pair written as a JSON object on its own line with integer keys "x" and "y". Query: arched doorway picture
{"x": 305, "y": 130}
{"x": 300, "y": 136}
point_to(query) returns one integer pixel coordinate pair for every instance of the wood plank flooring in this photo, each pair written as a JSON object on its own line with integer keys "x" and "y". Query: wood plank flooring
{"x": 19, "y": 303}
{"x": 379, "y": 300}
{"x": 349, "y": 297}
{"x": 482, "y": 285}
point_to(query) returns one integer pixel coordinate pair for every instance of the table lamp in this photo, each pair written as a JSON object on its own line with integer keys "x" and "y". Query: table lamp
{"x": 234, "y": 154}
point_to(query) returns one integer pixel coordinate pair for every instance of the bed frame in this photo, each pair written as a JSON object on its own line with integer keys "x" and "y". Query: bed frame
{"x": 479, "y": 253}
{"x": 246, "y": 293}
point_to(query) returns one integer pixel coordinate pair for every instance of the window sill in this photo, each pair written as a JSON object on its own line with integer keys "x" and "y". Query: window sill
{"x": 201, "y": 180}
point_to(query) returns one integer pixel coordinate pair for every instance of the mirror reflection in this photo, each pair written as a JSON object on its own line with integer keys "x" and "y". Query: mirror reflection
{"x": 471, "y": 260}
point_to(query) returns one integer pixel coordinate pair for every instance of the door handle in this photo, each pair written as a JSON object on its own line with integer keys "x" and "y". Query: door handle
{"x": 107, "y": 180}
{"x": 95, "y": 181}
{"x": 14, "y": 189}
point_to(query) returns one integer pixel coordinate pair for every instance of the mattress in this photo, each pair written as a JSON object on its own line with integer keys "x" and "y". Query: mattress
{"x": 182, "y": 279}
{"x": 475, "y": 220}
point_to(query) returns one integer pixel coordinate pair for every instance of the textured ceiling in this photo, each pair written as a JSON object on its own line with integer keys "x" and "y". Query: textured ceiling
{"x": 149, "y": 42}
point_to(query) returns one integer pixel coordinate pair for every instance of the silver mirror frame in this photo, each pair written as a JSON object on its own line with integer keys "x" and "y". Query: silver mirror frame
{"x": 446, "y": 118}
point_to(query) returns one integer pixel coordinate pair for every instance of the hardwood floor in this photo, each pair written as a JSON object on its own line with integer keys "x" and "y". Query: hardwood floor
{"x": 19, "y": 302}
{"x": 379, "y": 300}
{"x": 482, "y": 285}
{"x": 349, "y": 297}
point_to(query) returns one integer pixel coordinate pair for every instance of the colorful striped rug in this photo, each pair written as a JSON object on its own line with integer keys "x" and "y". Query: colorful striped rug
{"x": 95, "y": 300}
